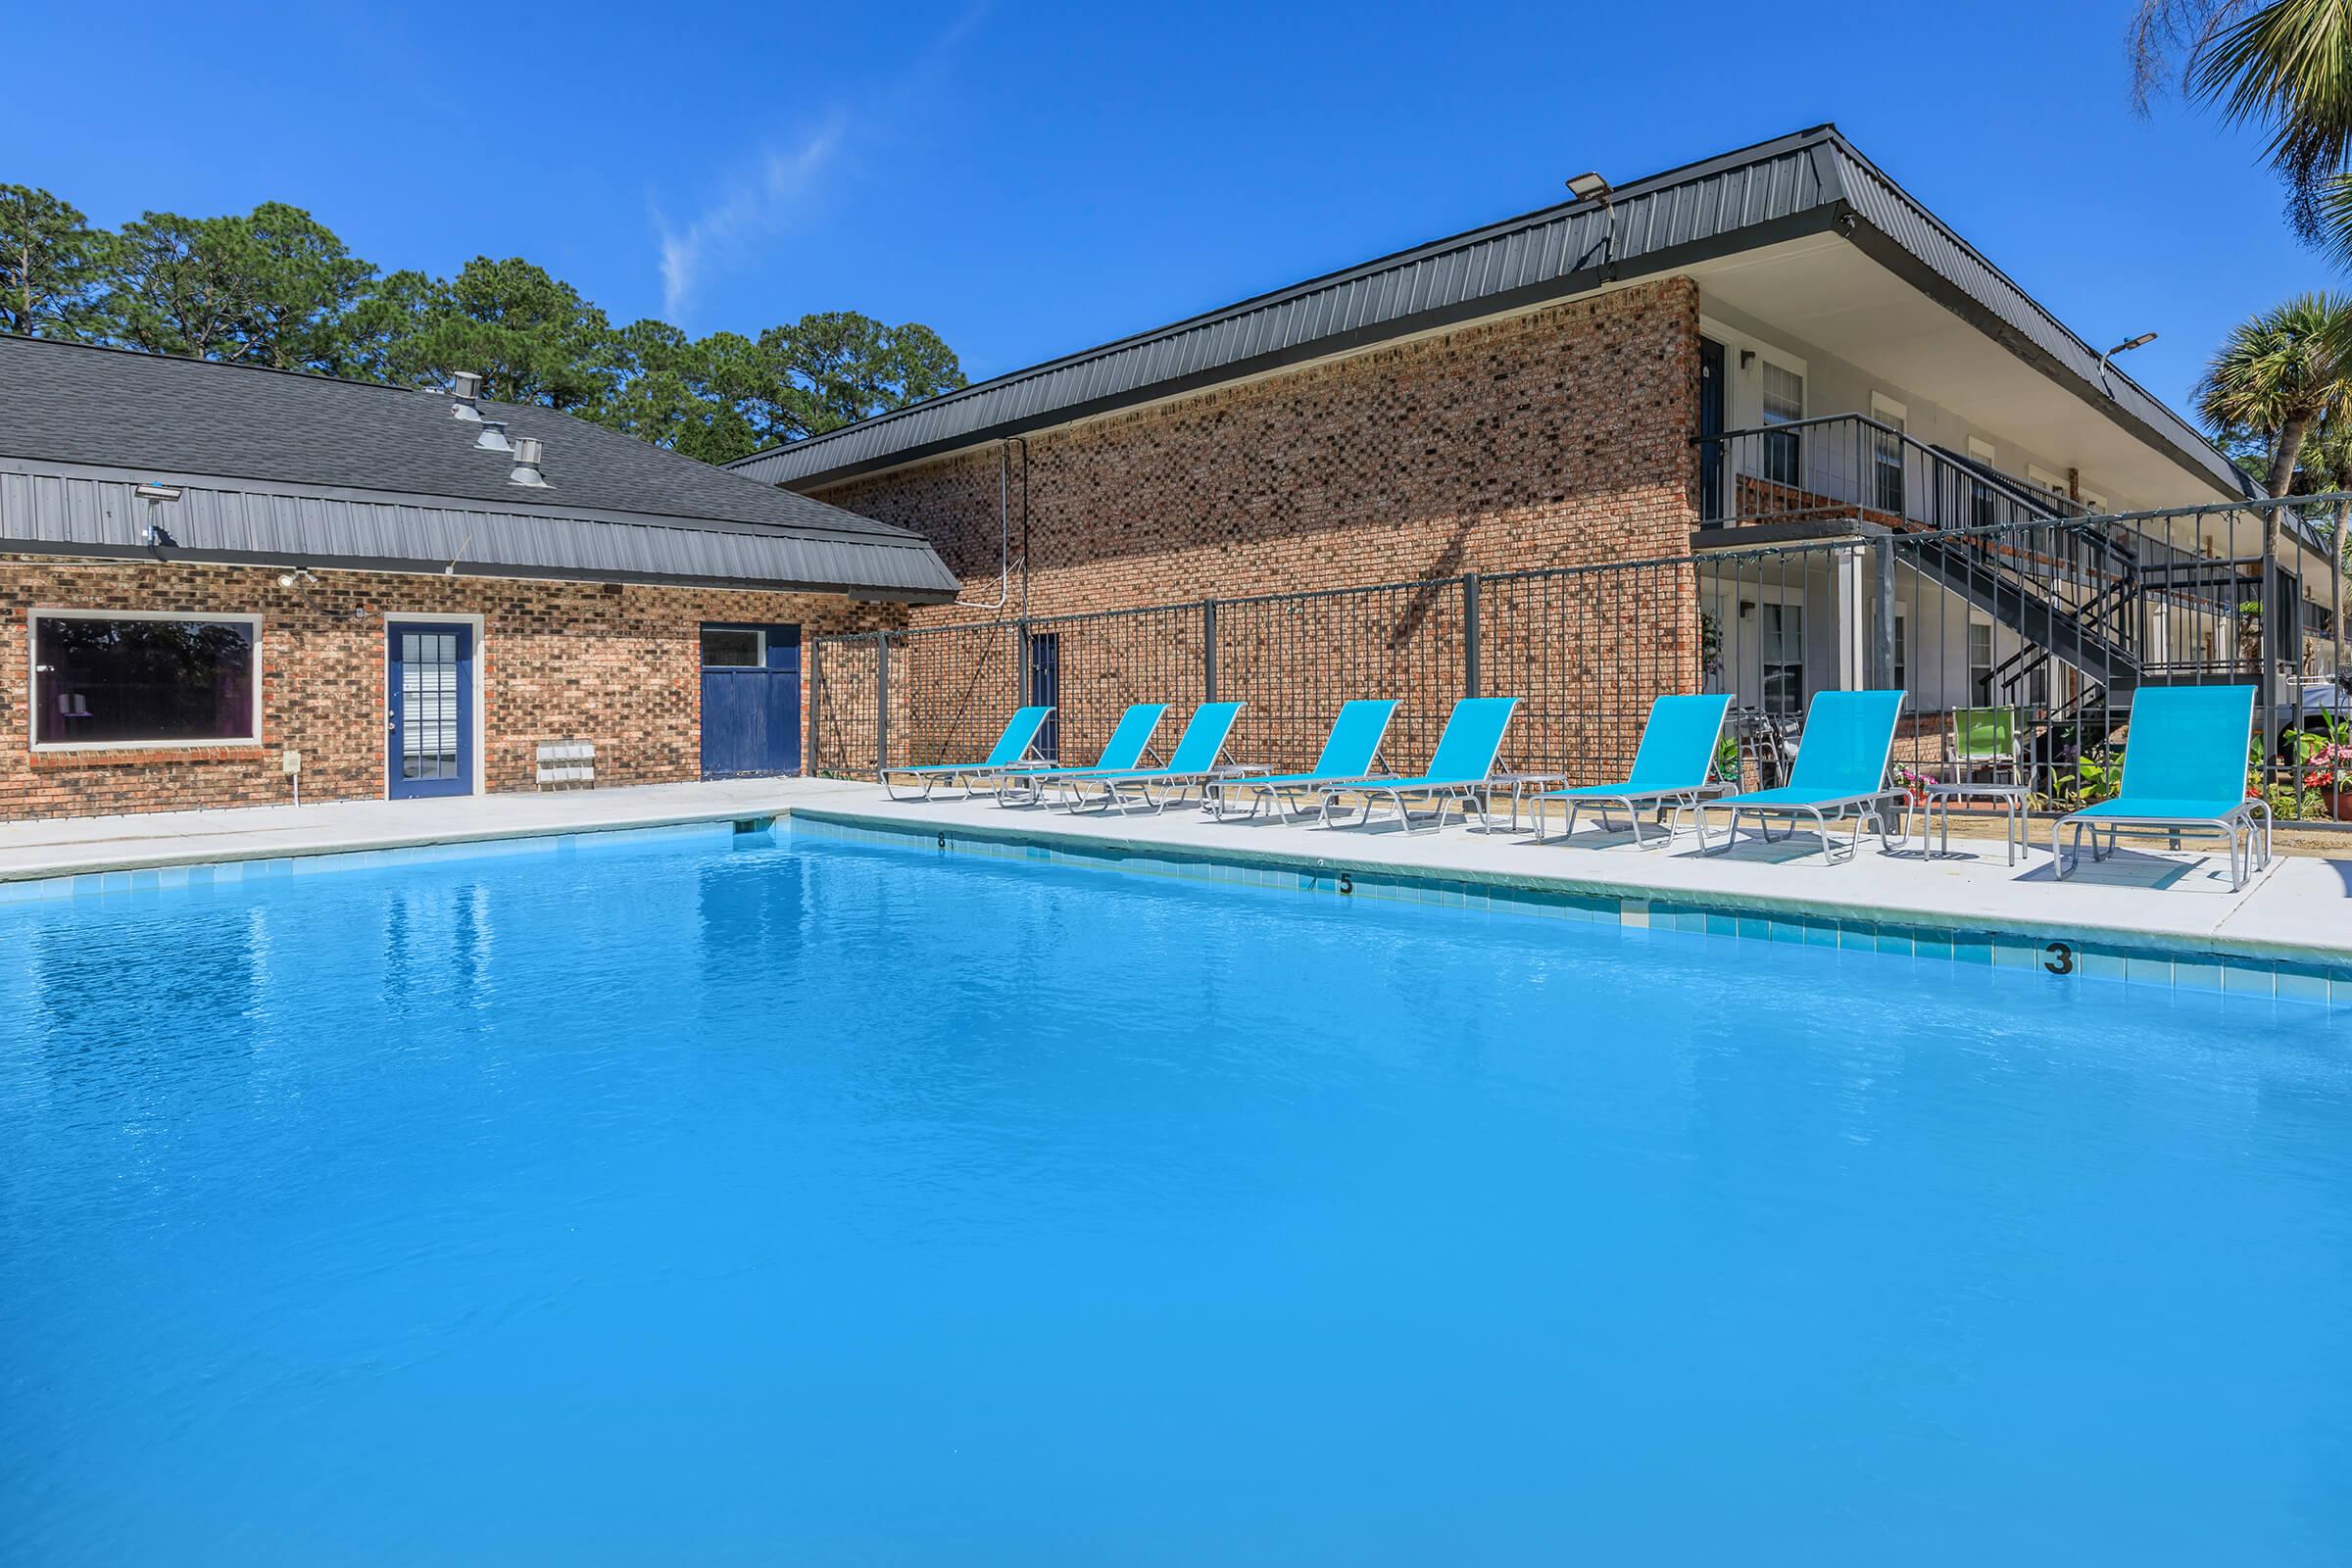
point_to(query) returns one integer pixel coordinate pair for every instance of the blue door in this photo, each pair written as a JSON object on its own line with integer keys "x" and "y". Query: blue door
{"x": 429, "y": 709}
{"x": 751, "y": 700}
{"x": 1045, "y": 689}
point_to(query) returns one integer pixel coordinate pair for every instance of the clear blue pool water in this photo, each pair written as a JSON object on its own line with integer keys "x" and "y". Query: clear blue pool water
{"x": 814, "y": 1203}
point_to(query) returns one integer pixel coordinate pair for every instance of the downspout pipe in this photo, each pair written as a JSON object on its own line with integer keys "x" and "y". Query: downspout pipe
{"x": 1004, "y": 526}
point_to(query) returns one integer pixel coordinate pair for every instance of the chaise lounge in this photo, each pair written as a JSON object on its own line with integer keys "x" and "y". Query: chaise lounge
{"x": 1350, "y": 752}
{"x": 1673, "y": 768}
{"x": 1840, "y": 771}
{"x": 2184, "y": 770}
{"x": 1460, "y": 771}
{"x": 1013, "y": 748}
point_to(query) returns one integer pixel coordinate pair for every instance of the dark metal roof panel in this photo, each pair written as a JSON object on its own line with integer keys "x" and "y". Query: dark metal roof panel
{"x": 1558, "y": 250}
{"x": 1891, "y": 210}
{"x": 77, "y": 509}
{"x": 310, "y": 467}
{"x": 1753, "y": 196}
{"x": 74, "y": 403}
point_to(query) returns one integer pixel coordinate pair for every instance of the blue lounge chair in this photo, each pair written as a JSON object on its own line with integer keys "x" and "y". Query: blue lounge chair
{"x": 1350, "y": 752}
{"x": 1841, "y": 770}
{"x": 1013, "y": 748}
{"x": 1461, "y": 770}
{"x": 1672, "y": 766}
{"x": 2185, "y": 768}
{"x": 1124, "y": 753}
{"x": 1195, "y": 761}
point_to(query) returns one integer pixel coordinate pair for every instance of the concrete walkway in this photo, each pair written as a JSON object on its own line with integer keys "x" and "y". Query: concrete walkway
{"x": 75, "y": 844}
{"x": 2299, "y": 907}
{"x": 2296, "y": 907}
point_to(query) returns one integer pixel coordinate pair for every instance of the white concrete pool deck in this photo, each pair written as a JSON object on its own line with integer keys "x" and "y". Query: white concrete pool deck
{"x": 2298, "y": 906}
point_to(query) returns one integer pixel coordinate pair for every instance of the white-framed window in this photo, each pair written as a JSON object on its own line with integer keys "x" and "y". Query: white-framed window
{"x": 2043, "y": 479}
{"x": 734, "y": 647}
{"x": 1886, "y": 452}
{"x": 1783, "y": 404}
{"x": 1979, "y": 661}
{"x": 1983, "y": 505}
{"x": 1782, "y": 632}
{"x": 108, "y": 678}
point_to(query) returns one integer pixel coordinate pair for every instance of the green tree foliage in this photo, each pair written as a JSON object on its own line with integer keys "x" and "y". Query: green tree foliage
{"x": 273, "y": 287}
{"x": 277, "y": 287}
{"x": 2284, "y": 67}
{"x": 836, "y": 367}
{"x": 50, "y": 264}
{"x": 725, "y": 396}
{"x": 2283, "y": 375}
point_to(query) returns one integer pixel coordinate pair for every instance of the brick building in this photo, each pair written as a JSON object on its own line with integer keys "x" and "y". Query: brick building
{"x": 211, "y": 574}
{"x": 1776, "y": 345}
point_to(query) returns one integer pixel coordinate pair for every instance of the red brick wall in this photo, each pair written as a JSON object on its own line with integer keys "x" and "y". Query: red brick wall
{"x": 1555, "y": 438}
{"x": 616, "y": 666}
{"x": 1558, "y": 438}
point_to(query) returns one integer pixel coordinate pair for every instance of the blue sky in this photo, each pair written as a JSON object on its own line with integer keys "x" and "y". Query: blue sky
{"x": 1032, "y": 179}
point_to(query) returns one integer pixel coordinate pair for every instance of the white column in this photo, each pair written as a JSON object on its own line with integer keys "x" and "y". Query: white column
{"x": 1853, "y": 624}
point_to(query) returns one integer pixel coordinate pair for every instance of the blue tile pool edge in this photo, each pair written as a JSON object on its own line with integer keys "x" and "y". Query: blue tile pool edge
{"x": 2056, "y": 951}
{"x": 150, "y": 879}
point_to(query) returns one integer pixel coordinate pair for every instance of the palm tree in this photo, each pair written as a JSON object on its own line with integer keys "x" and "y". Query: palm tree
{"x": 2328, "y": 466}
{"x": 2286, "y": 67}
{"x": 2281, "y": 373}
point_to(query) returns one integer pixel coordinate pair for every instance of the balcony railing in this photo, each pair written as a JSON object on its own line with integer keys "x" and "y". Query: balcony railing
{"x": 1848, "y": 467}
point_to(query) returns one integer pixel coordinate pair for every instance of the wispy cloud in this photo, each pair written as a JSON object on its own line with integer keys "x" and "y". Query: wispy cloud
{"x": 758, "y": 200}
{"x": 767, "y": 196}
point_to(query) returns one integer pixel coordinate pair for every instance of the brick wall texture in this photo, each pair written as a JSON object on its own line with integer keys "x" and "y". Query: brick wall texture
{"x": 616, "y": 665}
{"x": 1559, "y": 438}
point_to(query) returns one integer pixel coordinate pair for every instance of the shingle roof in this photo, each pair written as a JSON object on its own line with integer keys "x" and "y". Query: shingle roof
{"x": 1811, "y": 181}
{"x": 657, "y": 516}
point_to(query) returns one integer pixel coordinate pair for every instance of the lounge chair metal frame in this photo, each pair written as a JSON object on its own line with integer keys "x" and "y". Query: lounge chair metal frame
{"x": 2248, "y": 830}
{"x": 1211, "y": 721}
{"x": 963, "y": 776}
{"x": 1151, "y": 791}
{"x": 1463, "y": 793}
{"x": 2195, "y": 738}
{"x": 1471, "y": 713}
{"x": 1342, "y": 762}
{"x": 1680, "y": 802}
{"x": 1278, "y": 791}
{"x": 1863, "y": 808}
{"x": 1869, "y": 808}
{"x": 1016, "y": 787}
{"x": 1682, "y": 733}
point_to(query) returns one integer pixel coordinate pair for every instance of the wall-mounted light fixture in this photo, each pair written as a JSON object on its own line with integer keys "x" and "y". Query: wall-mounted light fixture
{"x": 151, "y": 491}
{"x": 2124, "y": 347}
{"x": 1591, "y": 187}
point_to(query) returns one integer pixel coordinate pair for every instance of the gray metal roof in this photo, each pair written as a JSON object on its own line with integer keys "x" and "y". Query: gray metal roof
{"x": 1812, "y": 181}
{"x": 311, "y": 470}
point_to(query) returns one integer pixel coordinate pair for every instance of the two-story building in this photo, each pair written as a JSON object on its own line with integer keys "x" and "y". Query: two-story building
{"x": 1778, "y": 346}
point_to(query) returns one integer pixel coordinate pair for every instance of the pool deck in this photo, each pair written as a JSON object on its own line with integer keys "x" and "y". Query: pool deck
{"x": 2299, "y": 907}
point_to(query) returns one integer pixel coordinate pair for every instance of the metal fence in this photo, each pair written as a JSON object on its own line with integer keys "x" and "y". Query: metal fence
{"x": 2021, "y": 641}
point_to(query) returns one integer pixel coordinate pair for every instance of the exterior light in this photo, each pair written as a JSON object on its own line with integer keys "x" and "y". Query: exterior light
{"x": 2124, "y": 347}
{"x": 151, "y": 491}
{"x": 1588, "y": 187}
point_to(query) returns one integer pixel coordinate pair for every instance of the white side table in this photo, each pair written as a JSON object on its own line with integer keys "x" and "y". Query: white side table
{"x": 1939, "y": 819}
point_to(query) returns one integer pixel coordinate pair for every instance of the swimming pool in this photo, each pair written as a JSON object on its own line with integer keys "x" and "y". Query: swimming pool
{"x": 747, "y": 1198}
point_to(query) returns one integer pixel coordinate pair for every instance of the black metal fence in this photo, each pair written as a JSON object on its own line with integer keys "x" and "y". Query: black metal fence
{"x": 2021, "y": 641}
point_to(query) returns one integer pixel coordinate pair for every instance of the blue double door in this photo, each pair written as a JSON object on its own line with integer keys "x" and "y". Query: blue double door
{"x": 429, "y": 709}
{"x": 751, "y": 700}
